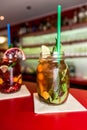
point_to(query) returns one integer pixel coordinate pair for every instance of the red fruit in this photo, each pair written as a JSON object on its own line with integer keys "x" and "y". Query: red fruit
{"x": 15, "y": 52}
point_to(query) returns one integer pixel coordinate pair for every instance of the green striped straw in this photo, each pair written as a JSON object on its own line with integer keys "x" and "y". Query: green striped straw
{"x": 58, "y": 30}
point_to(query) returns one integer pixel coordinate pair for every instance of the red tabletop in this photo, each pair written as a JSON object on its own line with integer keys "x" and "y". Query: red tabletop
{"x": 18, "y": 114}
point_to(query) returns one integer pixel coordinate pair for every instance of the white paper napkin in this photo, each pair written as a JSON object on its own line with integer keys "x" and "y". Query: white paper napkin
{"x": 23, "y": 92}
{"x": 71, "y": 105}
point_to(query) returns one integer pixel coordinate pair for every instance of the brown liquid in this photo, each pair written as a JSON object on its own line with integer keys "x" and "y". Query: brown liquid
{"x": 52, "y": 81}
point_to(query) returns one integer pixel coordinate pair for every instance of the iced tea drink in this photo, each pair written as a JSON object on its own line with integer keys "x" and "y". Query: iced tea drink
{"x": 10, "y": 72}
{"x": 52, "y": 79}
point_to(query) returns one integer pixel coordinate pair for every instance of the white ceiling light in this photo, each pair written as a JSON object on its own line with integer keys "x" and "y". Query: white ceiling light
{"x": 2, "y": 18}
{"x": 3, "y": 39}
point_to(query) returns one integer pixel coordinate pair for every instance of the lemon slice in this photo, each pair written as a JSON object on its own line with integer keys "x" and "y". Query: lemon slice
{"x": 45, "y": 51}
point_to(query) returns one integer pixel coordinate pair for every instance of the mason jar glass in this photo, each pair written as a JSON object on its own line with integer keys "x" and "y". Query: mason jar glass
{"x": 53, "y": 79}
{"x": 10, "y": 74}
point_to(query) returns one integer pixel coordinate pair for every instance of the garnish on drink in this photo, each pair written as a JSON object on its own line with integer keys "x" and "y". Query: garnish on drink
{"x": 15, "y": 52}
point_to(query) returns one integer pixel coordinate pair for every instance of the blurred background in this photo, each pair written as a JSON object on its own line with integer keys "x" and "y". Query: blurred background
{"x": 34, "y": 23}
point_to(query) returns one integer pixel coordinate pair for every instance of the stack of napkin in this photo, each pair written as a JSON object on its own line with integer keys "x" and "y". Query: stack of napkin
{"x": 23, "y": 92}
{"x": 71, "y": 105}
